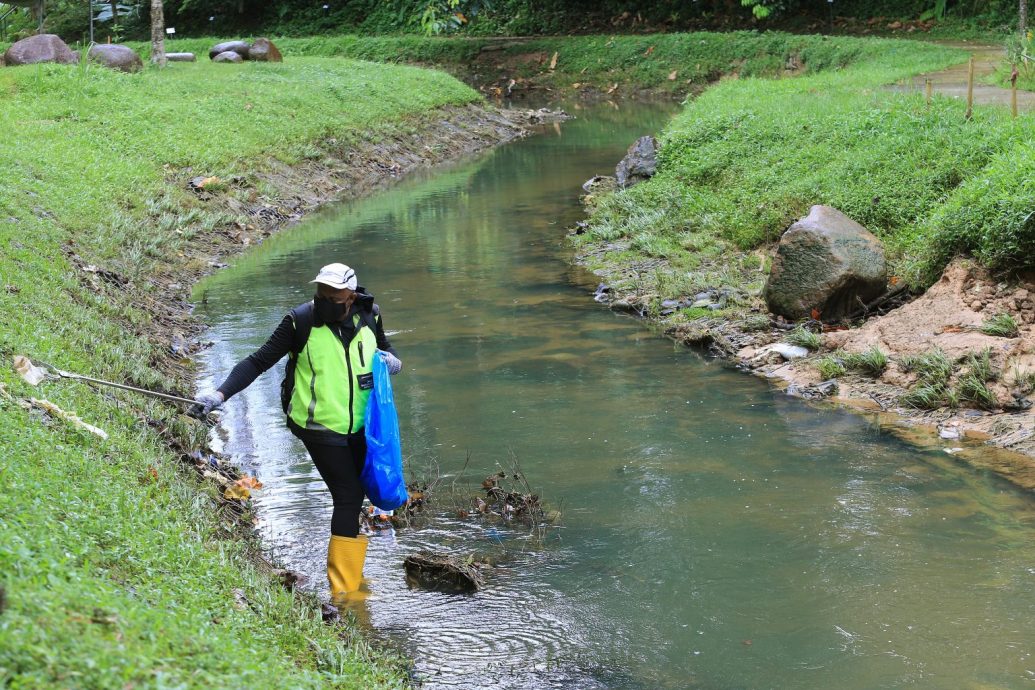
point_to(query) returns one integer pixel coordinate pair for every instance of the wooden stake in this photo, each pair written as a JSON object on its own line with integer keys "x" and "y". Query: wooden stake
{"x": 1013, "y": 91}
{"x": 928, "y": 90}
{"x": 970, "y": 89}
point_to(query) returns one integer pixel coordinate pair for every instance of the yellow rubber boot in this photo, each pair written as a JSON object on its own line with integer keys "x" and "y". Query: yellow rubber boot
{"x": 345, "y": 558}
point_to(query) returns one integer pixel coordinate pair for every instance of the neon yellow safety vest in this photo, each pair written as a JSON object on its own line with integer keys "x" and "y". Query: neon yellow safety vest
{"x": 332, "y": 383}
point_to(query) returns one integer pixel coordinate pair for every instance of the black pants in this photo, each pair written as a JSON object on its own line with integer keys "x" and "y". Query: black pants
{"x": 340, "y": 466}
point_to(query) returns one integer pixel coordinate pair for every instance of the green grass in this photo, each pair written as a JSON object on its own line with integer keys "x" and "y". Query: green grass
{"x": 932, "y": 390}
{"x": 932, "y": 367}
{"x": 749, "y": 156}
{"x": 871, "y": 363}
{"x": 116, "y": 575}
{"x": 1001, "y": 325}
{"x": 802, "y": 337}
{"x": 637, "y": 61}
{"x": 831, "y": 366}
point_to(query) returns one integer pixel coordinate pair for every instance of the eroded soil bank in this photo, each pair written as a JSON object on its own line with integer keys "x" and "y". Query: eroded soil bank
{"x": 948, "y": 318}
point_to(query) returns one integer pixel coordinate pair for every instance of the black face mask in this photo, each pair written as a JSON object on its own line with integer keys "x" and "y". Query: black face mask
{"x": 328, "y": 311}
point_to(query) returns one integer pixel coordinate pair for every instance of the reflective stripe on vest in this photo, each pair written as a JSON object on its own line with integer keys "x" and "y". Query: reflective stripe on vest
{"x": 327, "y": 394}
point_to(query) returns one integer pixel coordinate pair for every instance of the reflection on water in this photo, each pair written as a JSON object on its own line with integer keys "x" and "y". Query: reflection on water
{"x": 715, "y": 534}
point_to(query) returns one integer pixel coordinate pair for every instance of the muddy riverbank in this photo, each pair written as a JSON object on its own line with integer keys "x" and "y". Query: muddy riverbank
{"x": 948, "y": 318}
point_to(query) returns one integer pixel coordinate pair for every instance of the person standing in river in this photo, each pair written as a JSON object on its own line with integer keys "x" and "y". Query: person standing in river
{"x": 330, "y": 342}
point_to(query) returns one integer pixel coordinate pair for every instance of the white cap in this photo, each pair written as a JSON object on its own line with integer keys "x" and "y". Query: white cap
{"x": 337, "y": 276}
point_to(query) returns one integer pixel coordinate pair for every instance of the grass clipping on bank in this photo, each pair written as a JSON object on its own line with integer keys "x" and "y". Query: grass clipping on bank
{"x": 114, "y": 567}
{"x": 748, "y": 157}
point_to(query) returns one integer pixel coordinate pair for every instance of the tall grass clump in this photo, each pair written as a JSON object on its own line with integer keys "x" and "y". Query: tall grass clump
{"x": 871, "y": 363}
{"x": 803, "y": 337}
{"x": 1002, "y": 325}
{"x": 932, "y": 390}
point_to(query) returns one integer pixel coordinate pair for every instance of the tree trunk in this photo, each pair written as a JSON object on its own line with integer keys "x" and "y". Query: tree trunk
{"x": 114, "y": 14}
{"x": 157, "y": 33}
{"x": 1023, "y": 17}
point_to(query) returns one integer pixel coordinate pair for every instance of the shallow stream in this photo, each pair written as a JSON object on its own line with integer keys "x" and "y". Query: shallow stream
{"x": 715, "y": 534}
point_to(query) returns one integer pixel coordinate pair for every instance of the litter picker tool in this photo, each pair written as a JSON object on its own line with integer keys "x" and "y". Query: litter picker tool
{"x": 35, "y": 374}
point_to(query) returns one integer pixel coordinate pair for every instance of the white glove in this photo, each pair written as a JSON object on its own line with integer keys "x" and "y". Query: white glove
{"x": 206, "y": 402}
{"x": 395, "y": 364}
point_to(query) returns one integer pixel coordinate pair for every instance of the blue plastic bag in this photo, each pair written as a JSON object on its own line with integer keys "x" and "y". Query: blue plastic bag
{"x": 382, "y": 475}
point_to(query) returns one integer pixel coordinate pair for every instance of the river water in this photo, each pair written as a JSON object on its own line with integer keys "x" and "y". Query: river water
{"x": 715, "y": 534}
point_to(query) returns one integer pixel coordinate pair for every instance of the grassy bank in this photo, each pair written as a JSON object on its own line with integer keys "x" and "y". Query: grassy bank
{"x": 661, "y": 62}
{"x": 750, "y": 156}
{"x": 116, "y": 571}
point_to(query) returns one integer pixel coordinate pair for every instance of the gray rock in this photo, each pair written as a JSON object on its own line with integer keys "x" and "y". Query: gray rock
{"x": 239, "y": 47}
{"x": 180, "y": 57}
{"x": 228, "y": 56}
{"x": 263, "y": 50}
{"x": 702, "y": 303}
{"x": 39, "y": 48}
{"x": 816, "y": 392}
{"x": 640, "y": 163}
{"x": 115, "y": 56}
{"x": 825, "y": 262}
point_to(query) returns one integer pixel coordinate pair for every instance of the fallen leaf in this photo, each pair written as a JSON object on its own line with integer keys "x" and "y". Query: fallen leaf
{"x": 893, "y": 280}
{"x": 648, "y": 51}
{"x": 672, "y": 75}
{"x": 553, "y": 61}
{"x": 242, "y": 488}
{"x": 249, "y": 482}
{"x": 614, "y": 87}
{"x": 815, "y": 314}
{"x": 235, "y": 492}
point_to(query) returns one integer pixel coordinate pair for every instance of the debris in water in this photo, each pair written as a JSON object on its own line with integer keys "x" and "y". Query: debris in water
{"x": 32, "y": 374}
{"x": 442, "y": 573}
{"x": 242, "y": 488}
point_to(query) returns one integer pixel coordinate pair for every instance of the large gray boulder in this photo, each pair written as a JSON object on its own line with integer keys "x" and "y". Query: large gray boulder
{"x": 828, "y": 263}
{"x": 228, "y": 56}
{"x": 39, "y": 48}
{"x": 239, "y": 47}
{"x": 117, "y": 57}
{"x": 263, "y": 50}
{"x": 640, "y": 163}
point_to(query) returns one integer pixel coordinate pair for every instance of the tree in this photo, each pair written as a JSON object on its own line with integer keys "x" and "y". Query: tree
{"x": 157, "y": 33}
{"x": 1023, "y": 17}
